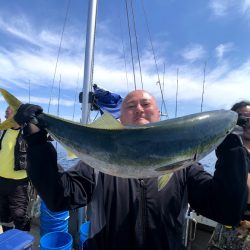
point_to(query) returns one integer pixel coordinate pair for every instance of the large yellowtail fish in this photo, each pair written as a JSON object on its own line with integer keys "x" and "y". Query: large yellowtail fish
{"x": 155, "y": 149}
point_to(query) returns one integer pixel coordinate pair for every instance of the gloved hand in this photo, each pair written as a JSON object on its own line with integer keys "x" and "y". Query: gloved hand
{"x": 27, "y": 113}
{"x": 231, "y": 141}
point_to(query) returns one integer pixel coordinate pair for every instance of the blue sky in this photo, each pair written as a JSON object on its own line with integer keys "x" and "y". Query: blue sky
{"x": 185, "y": 35}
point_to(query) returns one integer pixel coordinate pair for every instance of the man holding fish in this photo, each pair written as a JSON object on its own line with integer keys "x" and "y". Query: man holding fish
{"x": 133, "y": 213}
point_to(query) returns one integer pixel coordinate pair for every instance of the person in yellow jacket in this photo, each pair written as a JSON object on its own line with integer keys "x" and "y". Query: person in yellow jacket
{"x": 14, "y": 182}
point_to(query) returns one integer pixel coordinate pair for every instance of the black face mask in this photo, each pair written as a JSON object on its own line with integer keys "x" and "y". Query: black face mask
{"x": 242, "y": 120}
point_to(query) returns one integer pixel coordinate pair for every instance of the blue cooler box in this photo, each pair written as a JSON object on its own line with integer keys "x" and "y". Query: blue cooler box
{"x": 15, "y": 239}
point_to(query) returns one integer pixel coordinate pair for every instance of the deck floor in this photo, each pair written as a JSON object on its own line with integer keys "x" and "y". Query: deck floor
{"x": 202, "y": 237}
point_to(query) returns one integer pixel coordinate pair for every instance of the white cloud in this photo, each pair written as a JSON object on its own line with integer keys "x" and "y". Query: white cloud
{"x": 222, "y": 49}
{"x": 18, "y": 27}
{"x": 222, "y": 8}
{"x": 18, "y": 66}
{"x": 245, "y": 6}
{"x": 219, "y": 7}
{"x": 193, "y": 52}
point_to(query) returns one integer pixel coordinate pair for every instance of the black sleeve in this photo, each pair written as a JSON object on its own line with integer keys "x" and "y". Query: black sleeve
{"x": 60, "y": 190}
{"x": 222, "y": 198}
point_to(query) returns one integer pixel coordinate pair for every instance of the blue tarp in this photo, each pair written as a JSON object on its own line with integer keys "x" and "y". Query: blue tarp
{"x": 107, "y": 101}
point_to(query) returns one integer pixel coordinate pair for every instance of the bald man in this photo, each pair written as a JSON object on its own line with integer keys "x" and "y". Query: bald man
{"x": 131, "y": 214}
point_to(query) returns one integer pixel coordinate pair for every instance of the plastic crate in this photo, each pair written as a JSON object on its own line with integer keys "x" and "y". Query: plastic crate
{"x": 15, "y": 239}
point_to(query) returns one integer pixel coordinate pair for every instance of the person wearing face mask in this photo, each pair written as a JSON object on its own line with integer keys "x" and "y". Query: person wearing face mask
{"x": 237, "y": 237}
{"x": 131, "y": 214}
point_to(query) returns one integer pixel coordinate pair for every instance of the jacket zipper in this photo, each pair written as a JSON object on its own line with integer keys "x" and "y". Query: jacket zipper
{"x": 143, "y": 209}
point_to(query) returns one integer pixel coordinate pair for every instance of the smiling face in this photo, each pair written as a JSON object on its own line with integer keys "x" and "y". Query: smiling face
{"x": 246, "y": 112}
{"x": 138, "y": 108}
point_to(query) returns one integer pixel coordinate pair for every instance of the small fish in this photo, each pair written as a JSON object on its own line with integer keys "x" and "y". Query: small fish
{"x": 151, "y": 150}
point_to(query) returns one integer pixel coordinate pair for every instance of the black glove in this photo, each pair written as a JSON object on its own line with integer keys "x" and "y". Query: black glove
{"x": 27, "y": 113}
{"x": 231, "y": 141}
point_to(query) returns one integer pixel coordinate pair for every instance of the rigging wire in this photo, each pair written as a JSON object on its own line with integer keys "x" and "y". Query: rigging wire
{"x": 136, "y": 41}
{"x": 163, "y": 85}
{"x": 59, "y": 96}
{"x": 177, "y": 89}
{"x": 97, "y": 113}
{"x": 74, "y": 107}
{"x": 154, "y": 56}
{"x": 203, "y": 85}
{"x": 29, "y": 91}
{"x": 123, "y": 48}
{"x": 92, "y": 74}
{"x": 58, "y": 100}
{"x": 163, "y": 101}
{"x": 130, "y": 41}
{"x": 58, "y": 54}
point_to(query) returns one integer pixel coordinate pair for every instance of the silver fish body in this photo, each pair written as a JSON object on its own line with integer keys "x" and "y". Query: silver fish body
{"x": 144, "y": 151}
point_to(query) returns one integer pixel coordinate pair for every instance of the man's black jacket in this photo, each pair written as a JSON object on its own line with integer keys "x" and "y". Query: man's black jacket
{"x": 128, "y": 214}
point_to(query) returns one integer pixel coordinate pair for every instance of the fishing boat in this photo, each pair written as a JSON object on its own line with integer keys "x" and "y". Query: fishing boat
{"x": 198, "y": 229}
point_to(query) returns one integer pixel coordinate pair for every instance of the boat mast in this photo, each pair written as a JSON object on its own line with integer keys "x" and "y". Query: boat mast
{"x": 88, "y": 74}
{"x": 89, "y": 59}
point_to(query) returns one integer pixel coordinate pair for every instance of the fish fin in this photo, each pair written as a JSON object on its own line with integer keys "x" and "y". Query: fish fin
{"x": 9, "y": 123}
{"x": 106, "y": 121}
{"x": 163, "y": 180}
{"x": 176, "y": 166}
{"x": 70, "y": 155}
{"x": 11, "y": 100}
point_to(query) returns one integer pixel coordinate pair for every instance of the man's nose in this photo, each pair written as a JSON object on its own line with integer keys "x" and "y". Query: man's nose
{"x": 139, "y": 108}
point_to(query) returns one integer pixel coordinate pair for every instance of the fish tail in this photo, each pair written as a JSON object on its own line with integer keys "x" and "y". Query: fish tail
{"x": 11, "y": 100}
{"x": 14, "y": 103}
{"x": 9, "y": 123}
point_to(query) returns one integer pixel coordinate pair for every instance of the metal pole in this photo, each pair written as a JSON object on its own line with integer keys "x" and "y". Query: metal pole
{"x": 88, "y": 74}
{"x": 89, "y": 56}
